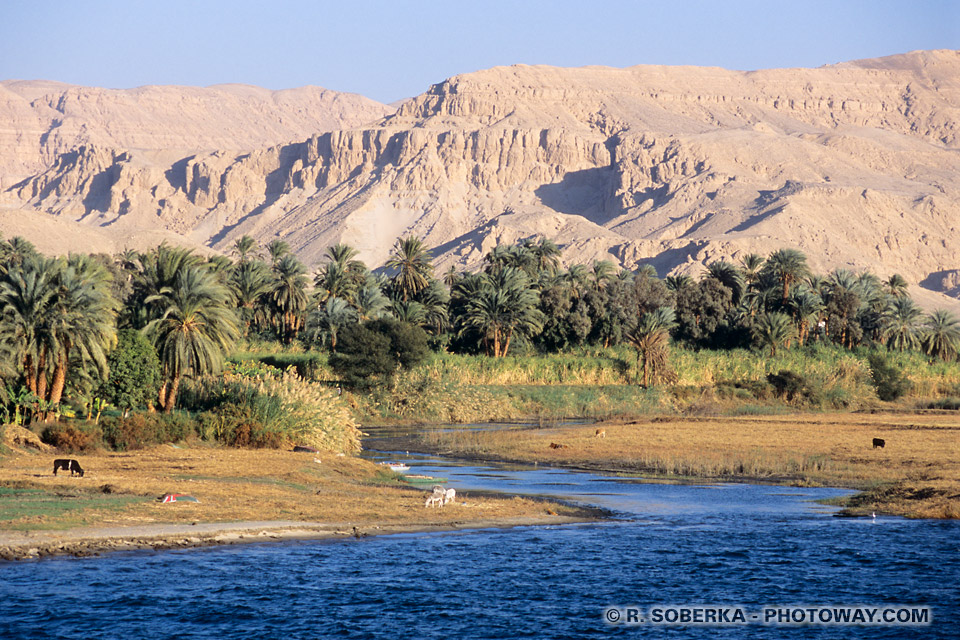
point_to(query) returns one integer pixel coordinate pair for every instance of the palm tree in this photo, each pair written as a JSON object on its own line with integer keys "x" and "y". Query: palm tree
{"x": 371, "y": 303}
{"x": 288, "y": 296}
{"x": 245, "y": 248}
{"x": 751, "y": 263}
{"x": 250, "y": 283}
{"x": 576, "y": 277}
{"x": 504, "y": 305}
{"x": 773, "y": 330}
{"x": 277, "y": 249}
{"x": 646, "y": 271}
{"x": 158, "y": 270}
{"x": 900, "y": 325}
{"x": 329, "y": 319}
{"x": 676, "y": 283}
{"x": 411, "y": 259}
{"x": 844, "y": 300}
{"x": 26, "y": 297}
{"x": 729, "y": 276}
{"x": 546, "y": 256}
{"x": 896, "y": 286}
{"x": 335, "y": 281}
{"x": 82, "y": 321}
{"x": 601, "y": 273}
{"x": 807, "y": 309}
{"x": 410, "y": 312}
{"x": 435, "y": 300}
{"x": 941, "y": 335}
{"x": 651, "y": 339}
{"x": 787, "y": 266}
{"x": 451, "y": 276}
{"x": 196, "y": 328}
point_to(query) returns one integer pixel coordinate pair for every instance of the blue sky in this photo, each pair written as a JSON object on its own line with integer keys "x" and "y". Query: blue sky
{"x": 394, "y": 49}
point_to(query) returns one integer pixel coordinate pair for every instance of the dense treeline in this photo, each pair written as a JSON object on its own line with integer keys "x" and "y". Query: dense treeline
{"x": 129, "y": 329}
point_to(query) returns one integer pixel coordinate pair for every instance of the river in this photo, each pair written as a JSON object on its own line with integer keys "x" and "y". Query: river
{"x": 671, "y": 548}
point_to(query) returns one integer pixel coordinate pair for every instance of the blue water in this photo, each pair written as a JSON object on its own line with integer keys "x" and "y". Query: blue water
{"x": 727, "y": 544}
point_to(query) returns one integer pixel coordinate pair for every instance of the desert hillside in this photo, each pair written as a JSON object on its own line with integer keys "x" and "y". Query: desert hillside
{"x": 857, "y": 164}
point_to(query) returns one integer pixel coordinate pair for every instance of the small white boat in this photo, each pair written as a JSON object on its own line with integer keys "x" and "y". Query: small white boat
{"x": 396, "y": 466}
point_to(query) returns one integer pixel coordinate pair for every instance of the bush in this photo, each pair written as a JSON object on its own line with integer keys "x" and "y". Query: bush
{"x": 134, "y": 372}
{"x": 373, "y": 352}
{"x": 139, "y": 430}
{"x": 73, "y": 438}
{"x": 888, "y": 380}
{"x": 273, "y": 411}
{"x": 787, "y": 384}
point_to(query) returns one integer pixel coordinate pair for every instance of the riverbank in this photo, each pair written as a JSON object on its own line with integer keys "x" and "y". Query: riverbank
{"x": 915, "y": 474}
{"x": 242, "y": 496}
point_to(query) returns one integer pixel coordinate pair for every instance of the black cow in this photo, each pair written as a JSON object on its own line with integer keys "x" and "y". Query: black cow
{"x": 879, "y": 442}
{"x": 68, "y": 465}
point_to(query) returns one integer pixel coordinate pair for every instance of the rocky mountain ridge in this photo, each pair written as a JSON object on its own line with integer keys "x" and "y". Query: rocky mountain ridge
{"x": 856, "y": 164}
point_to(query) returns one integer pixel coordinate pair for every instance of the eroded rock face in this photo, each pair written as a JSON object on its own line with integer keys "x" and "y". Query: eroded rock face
{"x": 42, "y": 120}
{"x": 856, "y": 164}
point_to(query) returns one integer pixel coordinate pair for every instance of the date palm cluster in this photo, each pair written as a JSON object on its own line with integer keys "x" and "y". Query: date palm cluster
{"x": 60, "y": 317}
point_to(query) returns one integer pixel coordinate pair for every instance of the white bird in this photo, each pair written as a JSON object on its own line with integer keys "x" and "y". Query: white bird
{"x": 874, "y": 515}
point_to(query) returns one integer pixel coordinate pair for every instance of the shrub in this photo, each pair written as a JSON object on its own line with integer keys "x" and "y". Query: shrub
{"x": 73, "y": 438}
{"x": 139, "y": 430}
{"x": 888, "y": 380}
{"x": 136, "y": 431}
{"x": 273, "y": 411}
{"x": 787, "y": 384}
{"x": 134, "y": 372}
{"x": 373, "y": 352}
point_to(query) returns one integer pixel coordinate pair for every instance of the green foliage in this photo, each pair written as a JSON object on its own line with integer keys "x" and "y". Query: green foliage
{"x": 372, "y": 353}
{"x": 888, "y": 379}
{"x": 196, "y": 328}
{"x": 134, "y": 372}
{"x": 272, "y": 409}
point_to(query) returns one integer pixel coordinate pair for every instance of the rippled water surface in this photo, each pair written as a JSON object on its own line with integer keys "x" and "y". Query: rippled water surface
{"x": 724, "y": 544}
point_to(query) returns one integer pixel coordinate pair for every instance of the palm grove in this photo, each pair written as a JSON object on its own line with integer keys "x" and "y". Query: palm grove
{"x": 129, "y": 329}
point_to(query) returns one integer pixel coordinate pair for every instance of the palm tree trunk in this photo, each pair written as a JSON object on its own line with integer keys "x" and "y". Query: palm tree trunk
{"x": 162, "y": 395}
{"x": 42, "y": 376}
{"x": 29, "y": 373}
{"x": 506, "y": 345}
{"x": 59, "y": 380}
{"x": 172, "y": 395}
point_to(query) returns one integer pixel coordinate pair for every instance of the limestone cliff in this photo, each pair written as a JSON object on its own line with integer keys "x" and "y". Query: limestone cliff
{"x": 857, "y": 164}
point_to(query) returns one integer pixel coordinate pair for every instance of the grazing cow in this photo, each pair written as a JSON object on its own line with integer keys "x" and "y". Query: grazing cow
{"x": 68, "y": 465}
{"x": 449, "y": 495}
{"x": 601, "y": 433}
{"x": 436, "y": 500}
{"x": 879, "y": 442}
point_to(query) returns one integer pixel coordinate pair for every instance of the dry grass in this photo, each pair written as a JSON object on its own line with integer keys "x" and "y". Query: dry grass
{"x": 916, "y": 474}
{"x": 232, "y": 485}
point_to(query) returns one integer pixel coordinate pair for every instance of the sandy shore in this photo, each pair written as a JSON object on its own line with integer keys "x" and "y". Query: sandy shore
{"x": 87, "y": 541}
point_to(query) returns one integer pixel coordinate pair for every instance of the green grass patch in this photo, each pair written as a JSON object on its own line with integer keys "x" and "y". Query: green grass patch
{"x": 36, "y": 509}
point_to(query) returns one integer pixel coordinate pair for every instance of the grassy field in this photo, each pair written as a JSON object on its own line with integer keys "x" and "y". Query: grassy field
{"x": 120, "y": 489}
{"x": 602, "y": 383}
{"x": 917, "y": 473}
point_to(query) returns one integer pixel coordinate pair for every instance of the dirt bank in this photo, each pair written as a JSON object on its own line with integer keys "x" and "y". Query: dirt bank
{"x": 242, "y": 496}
